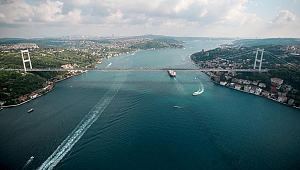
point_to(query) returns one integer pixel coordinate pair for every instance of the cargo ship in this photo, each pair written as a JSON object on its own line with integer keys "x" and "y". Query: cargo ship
{"x": 172, "y": 73}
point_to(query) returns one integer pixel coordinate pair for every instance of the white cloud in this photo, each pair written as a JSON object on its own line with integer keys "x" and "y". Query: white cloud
{"x": 19, "y": 12}
{"x": 2, "y": 16}
{"x": 284, "y": 18}
{"x": 174, "y": 16}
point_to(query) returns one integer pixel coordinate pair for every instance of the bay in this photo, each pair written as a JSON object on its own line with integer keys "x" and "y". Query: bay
{"x": 139, "y": 128}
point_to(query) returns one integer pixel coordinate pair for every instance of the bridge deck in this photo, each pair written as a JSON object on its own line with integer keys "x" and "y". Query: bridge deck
{"x": 142, "y": 69}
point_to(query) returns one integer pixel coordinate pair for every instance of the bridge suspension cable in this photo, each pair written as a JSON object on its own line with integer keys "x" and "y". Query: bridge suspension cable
{"x": 279, "y": 59}
{"x": 237, "y": 55}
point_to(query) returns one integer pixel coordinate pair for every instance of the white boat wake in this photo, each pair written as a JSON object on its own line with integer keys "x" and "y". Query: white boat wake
{"x": 200, "y": 90}
{"x": 180, "y": 87}
{"x": 28, "y": 162}
{"x": 83, "y": 126}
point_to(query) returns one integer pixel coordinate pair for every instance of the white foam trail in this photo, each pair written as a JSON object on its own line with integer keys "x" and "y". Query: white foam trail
{"x": 202, "y": 88}
{"x": 26, "y": 164}
{"x": 180, "y": 88}
{"x": 83, "y": 126}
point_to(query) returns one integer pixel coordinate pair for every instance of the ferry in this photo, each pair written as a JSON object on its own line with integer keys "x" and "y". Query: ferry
{"x": 172, "y": 73}
{"x": 30, "y": 110}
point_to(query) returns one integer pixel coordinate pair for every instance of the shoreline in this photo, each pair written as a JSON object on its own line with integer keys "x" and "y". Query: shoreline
{"x": 19, "y": 104}
{"x": 257, "y": 95}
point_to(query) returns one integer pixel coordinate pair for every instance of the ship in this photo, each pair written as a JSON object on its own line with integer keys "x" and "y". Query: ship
{"x": 172, "y": 73}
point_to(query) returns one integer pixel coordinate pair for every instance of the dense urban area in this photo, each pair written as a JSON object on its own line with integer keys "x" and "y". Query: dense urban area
{"x": 281, "y": 56}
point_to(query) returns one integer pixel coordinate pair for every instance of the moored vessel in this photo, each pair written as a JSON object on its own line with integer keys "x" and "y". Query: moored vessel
{"x": 172, "y": 73}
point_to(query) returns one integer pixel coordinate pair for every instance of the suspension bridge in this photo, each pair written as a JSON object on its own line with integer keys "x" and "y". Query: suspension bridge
{"x": 257, "y": 63}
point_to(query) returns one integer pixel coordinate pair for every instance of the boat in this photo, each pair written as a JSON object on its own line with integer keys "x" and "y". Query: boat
{"x": 30, "y": 110}
{"x": 196, "y": 93}
{"x": 175, "y": 106}
{"x": 31, "y": 158}
{"x": 172, "y": 73}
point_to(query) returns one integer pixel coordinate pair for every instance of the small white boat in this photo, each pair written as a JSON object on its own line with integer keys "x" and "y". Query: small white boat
{"x": 196, "y": 93}
{"x": 200, "y": 90}
{"x": 30, "y": 110}
{"x": 175, "y": 106}
{"x": 31, "y": 158}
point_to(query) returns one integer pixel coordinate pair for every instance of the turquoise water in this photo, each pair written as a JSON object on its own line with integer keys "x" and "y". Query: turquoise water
{"x": 126, "y": 120}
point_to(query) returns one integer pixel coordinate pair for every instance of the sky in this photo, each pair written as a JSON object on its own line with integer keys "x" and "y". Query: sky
{"x": 201, "y": 18}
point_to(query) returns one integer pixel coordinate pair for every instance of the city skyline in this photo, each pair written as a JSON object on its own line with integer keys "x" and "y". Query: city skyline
{"x": 227, "y": 18}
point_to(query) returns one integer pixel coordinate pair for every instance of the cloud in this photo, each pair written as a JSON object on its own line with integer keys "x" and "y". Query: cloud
{"x": 284, "y": 18}
{"x": 202, "y": 12}
{"x": 137, "y": 16}
{"x": 19, "y": 12}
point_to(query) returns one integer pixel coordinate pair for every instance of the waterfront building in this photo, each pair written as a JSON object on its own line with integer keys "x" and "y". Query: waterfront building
{"x": 276, "y": 81}
{"x": 291, "y": 101}
{"x": 247, "y": 88}
{"x": 22, "y": 98}
{"x": 263, "y": 85}
{"x": 238, "y": 87}
{"x": 282, "y": 99}
{"x": 33, "y": 95}
{"x": 258, "y": 91}
{"x": 223, "y": 83}
{"x": 265, "y": 94}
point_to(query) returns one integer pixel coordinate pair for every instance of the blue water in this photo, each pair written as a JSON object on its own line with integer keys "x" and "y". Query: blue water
{"x": 126, "y": 120}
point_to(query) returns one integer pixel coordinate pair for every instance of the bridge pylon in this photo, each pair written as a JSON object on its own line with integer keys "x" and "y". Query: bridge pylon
{"x": 23, "y": 53}
{"x": 259, "y": 60}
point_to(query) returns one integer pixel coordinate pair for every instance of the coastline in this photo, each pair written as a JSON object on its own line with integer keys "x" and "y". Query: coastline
{"x": 39, "y": 95}
{"x": 256, "y": 95}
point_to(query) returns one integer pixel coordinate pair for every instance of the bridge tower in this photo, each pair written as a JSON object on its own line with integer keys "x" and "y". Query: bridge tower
{"x": 23, "y": 53}
{"x": 259, "y": 60}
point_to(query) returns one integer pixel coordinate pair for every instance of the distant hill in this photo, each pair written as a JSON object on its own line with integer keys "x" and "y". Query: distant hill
{"x": 276, "y": 41}
{"x": 12, "y": 40}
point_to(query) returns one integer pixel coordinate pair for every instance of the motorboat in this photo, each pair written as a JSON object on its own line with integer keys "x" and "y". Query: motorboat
{"x": 31, "y": 158}
{"x": 196, "y": 93}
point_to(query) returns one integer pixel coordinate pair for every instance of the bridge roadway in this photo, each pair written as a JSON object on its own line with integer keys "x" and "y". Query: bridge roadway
{"x": 144, "y": 68}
